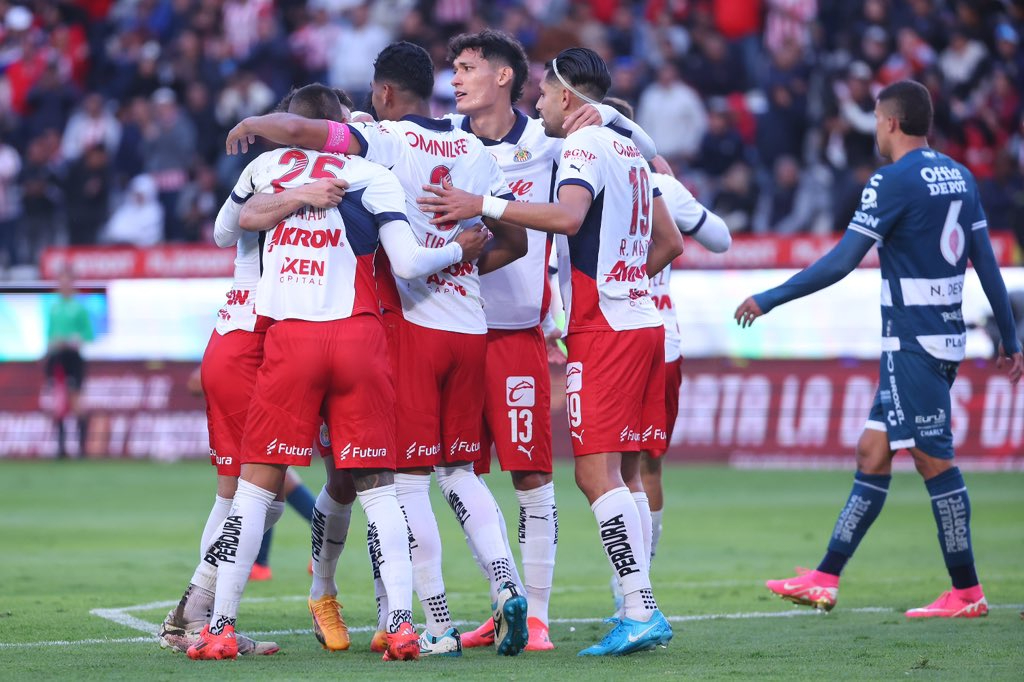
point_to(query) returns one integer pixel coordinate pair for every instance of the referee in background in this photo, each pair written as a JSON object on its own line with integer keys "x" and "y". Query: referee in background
{"x": 67, "y": 329}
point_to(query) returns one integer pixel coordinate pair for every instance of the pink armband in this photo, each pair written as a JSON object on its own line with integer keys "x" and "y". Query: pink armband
{"x": 337, "y": 138}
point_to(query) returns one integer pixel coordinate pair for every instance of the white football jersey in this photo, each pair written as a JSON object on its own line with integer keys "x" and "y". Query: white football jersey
{"x": 318, "y": 263}
{"x": 610, "y": 289}
{"x": 689, "y": 216}
{"x": 517, "y": 296}
{"x": 239, "y": 311}
{"x": 427, "y": 151}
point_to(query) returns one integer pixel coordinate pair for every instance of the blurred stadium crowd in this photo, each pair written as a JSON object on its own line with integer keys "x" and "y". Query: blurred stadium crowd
{"x": 113, "y": 112}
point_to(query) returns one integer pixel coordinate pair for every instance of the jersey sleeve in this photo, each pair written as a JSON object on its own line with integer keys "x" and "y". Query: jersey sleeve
{"x": 384, "y": 197}
{"x": 881, "y": 204}
{"x": 976, "y": 217}
{"x": 579, "y": 163}
{"x": 245, "y": 187}
{"x": 380, "y": 143}
{"x": 688, "y": 213}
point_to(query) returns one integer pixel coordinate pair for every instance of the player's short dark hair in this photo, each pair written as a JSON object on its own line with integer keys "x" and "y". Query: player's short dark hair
{"x": 315, "y": 101}
{"x": 495, "y": 46}
{"x": 583, "y": 69}
{"x": 911, "y": 104}
{"x": 406, "y": 66}
{"x": 344, "y": 99}
{"x": 620, "y": 105}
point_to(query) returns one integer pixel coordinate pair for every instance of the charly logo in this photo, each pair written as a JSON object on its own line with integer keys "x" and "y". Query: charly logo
{"x": 520, "y": 391}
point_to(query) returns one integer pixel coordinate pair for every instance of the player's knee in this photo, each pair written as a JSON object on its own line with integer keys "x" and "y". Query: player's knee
{"x": 650, "y": 465}
{"x": 928, "y": 466}
{"x": 529, "y": 480}
{"x": 873, "y": 454}
{"x": 341, "y": 487}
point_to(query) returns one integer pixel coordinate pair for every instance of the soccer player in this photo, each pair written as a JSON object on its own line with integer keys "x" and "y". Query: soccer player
{"x": 711, "y": 232}
{"x": 68, "y": 328}
{"x": 324, "y": 353}
{"x": 617, "y": 234}
{"x": 924, "y": 214}
{"x": 226, "y": 378}
{"x": 436, "y": 332}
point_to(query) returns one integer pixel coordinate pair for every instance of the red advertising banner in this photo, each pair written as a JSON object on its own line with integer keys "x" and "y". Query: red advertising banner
{"x": 199, "y": 260}
{"x": 752, "y": 253}
{"x": 133, "y": 410}
{"x": 811, "y": 413}
{"x": 125, "y": 262}
{"x": 765, "y": 413}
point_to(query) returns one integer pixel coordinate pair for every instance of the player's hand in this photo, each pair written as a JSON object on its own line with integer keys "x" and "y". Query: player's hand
{"x": 556, "y": 349}
{"x": 323, "y": 193}
{"x": 587, "y": 115}
{"x": 450, "y": 203}
{"x": 240, "y": 136}
{"x": 748, "y": 312}
{"x": 1015, "y": 363}
{"x": 662, "y": 166}
{"x": 472, "y": 241}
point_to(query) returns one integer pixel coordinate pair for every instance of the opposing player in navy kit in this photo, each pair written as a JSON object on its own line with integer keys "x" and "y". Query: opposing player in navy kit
{"x": 924, "y": 214}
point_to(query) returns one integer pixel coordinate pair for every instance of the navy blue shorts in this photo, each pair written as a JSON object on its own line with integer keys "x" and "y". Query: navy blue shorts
{"x": 912, "y": 404}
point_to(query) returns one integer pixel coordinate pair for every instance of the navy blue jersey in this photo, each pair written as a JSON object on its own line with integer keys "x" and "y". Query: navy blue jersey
{"x": 923, "y": 211}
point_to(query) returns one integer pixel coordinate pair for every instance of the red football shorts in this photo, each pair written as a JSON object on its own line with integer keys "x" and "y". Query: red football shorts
{"x": 438, "y": 380}
{"x": 615, "y": 390}
{"x": 228, "y": 374}
{"x": 673, "y": 380}
{"x": 517, "y": 401}
{"x": 335, "y": 370}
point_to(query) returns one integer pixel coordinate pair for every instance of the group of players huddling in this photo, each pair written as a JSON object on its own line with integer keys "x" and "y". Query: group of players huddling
{"x": 389, "y": 312}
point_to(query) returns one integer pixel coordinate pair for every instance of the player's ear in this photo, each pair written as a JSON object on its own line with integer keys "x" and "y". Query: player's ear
{"x": 505, "y": 75}
{"x": 566, "y": 98}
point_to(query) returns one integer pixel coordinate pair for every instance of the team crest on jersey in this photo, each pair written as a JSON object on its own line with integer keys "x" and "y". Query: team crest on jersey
{"x": 952, "y": 241}
{"x": 522, "y": 155}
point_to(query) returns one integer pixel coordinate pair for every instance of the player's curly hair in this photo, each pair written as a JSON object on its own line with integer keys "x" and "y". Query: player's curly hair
{"x": 495, "y": 46}
{"x": 911, "y": 104}
{"x": 406, "y": 66}
{"x": 583, "y": 69}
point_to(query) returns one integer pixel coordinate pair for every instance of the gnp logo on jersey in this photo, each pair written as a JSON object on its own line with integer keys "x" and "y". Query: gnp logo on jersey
{"x": 952, "y": 242}
{"x": 578, "y": 156}
{"x": 520, "y": 391}
{"x": 574, "y": 377}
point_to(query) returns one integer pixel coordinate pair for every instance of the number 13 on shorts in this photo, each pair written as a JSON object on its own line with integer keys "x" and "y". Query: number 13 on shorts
{"x": 521, "y": 396}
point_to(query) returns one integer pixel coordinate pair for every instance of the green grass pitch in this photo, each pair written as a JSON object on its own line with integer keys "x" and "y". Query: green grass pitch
{"x": 80, "y": 536}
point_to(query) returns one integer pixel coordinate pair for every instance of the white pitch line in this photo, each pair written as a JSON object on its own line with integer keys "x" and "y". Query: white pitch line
{"x": 110, "y": 614}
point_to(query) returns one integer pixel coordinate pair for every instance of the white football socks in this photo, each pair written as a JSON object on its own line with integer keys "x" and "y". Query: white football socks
{"x": 388, "y": 543}
{"x": 621, "y": 534}
{"x": 655, "y": 531}
{"x": 329, "y": 530}
{"x": 205, "y": 576}
{"x": 477, "y": 512}
{"x": 425, "y": 545}
{"x": 643, "y": 507}
{"x": 538, "y": 540}
{"x": 235, "y": 550}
